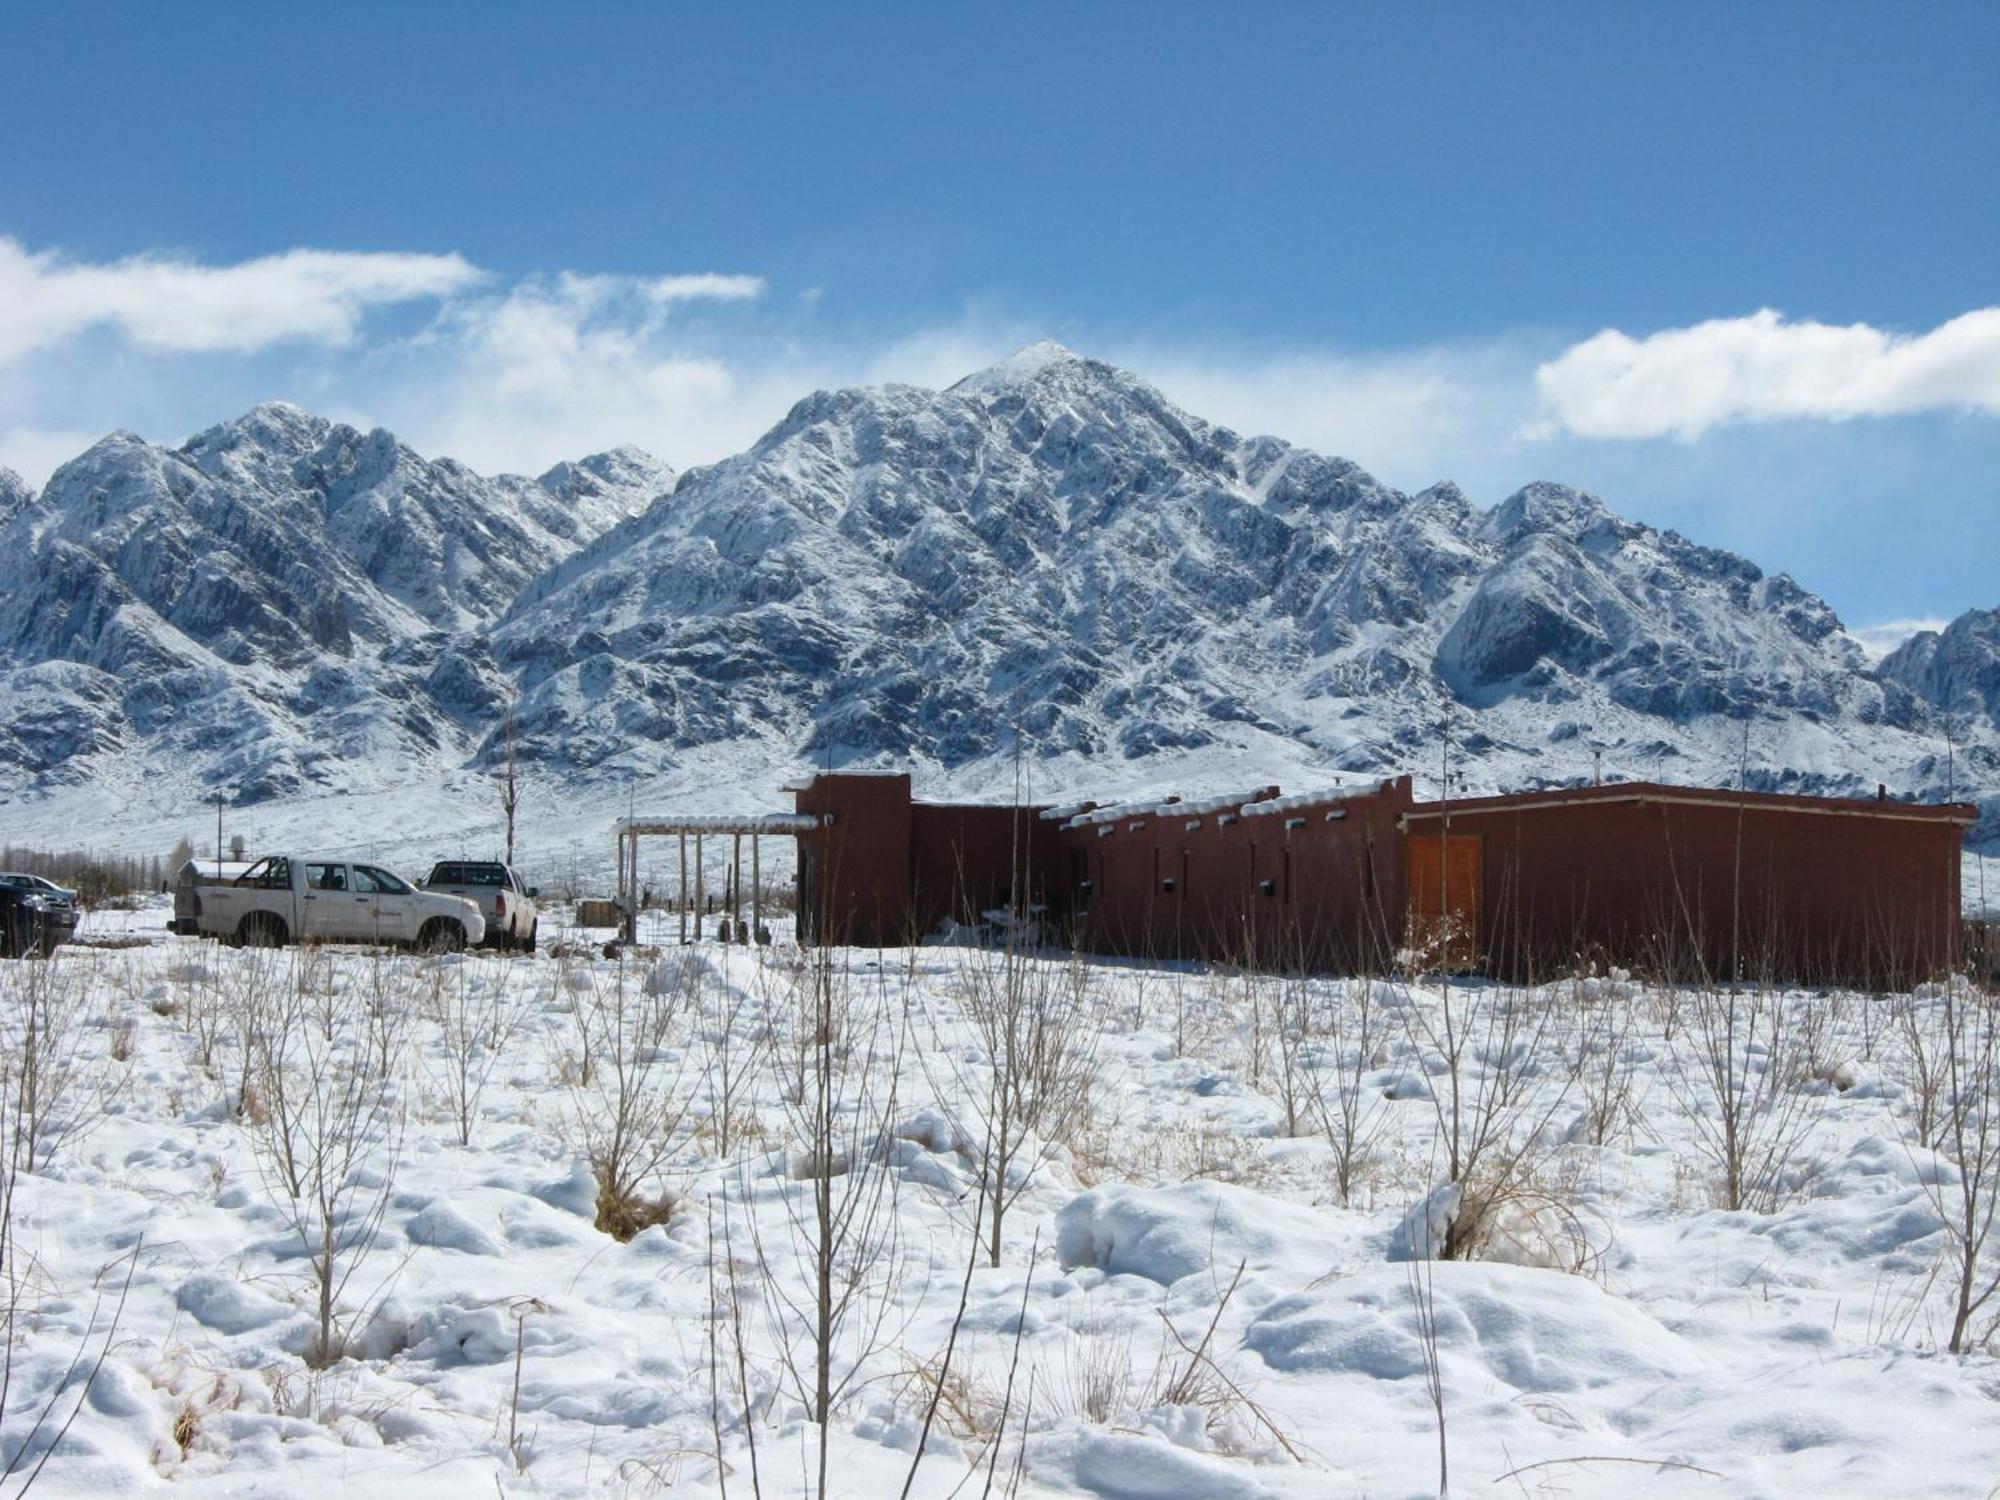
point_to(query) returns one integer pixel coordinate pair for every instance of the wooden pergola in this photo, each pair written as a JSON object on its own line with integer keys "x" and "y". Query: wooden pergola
{"x": 699, "y": 826}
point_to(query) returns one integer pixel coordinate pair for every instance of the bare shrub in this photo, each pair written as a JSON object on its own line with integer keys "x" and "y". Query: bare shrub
{"x": 628, "y": 1098}
{"x": 732, "y": 1040}
{"x": 477, "y": 1013}
{"x": 1738, "y": 1063}
{"x": 1493, "y": 1097}
{"x": 1604, "y": 1056}
{"x": 1349, "y": 1111}
{"x": 1968, "y": 1197}
{"x": 328, "y": 1135}
{"x": 1918, "y": 1065}
{"x": 1035, "y": 1028}
{"x": 58, "y": 1079}
{"x": 829, "y": 1283}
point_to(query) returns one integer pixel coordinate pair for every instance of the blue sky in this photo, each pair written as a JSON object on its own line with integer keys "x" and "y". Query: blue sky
{"x": 1442, "y": 241}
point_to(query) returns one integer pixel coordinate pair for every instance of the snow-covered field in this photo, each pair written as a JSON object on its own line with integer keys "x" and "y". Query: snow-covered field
{"x": 1185, "y": 1304}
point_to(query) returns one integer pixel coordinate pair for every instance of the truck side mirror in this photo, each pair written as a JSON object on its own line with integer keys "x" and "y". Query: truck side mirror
{"x": 534, "y": 893}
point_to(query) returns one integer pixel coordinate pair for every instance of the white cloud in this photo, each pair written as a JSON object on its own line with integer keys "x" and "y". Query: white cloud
{"x": 1879, "y": 640}
{"x": 37, "y": 452}
{"x": 555, "y": 367}
{"x": 1682, "y": 381}
{"x": 301, "y": 296}
{"x": 1411, "y": 417}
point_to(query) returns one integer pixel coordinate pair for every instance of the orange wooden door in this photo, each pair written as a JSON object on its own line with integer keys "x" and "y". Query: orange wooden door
{"x": 1445, "y": 893}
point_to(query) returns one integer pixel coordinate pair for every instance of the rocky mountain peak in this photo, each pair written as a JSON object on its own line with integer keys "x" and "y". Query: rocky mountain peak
{"x": 1048, "y": 554}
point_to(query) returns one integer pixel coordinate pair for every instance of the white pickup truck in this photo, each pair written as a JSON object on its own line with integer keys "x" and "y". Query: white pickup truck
{"x": 297, "y": 898}
{"x": 505, "y": 900}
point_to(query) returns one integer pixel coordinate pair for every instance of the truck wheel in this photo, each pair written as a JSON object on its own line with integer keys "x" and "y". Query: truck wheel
{"x": 529, "y": 945}
{"x": 261, "y": 930}
{"x": 441, "y": 935}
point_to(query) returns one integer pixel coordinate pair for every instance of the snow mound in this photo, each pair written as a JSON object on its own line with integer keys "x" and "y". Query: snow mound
{"x": 225, "y": 1304}
{"x": 1533, "y": 1330}
{"x": 1164, "y": 1234}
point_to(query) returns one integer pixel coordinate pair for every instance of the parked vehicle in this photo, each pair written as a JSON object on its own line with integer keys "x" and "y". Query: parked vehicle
{"x": 189, "y": 882}
{"x": 298, "y": 898}
{"x": 32, "y": 922}
{"x": 58, "y": 895}
{"x": 504, "y": 901}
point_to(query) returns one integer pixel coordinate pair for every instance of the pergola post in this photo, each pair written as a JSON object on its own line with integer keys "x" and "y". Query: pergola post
{"x": 632, "y": 890}
{"x": 736, "y": 885}
{"x": 692, "y": 901}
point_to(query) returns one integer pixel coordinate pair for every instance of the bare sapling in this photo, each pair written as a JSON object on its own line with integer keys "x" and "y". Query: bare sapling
{"x": 58, "y": 1080}
{"x": 829, "y": 1281}
{"x": 1348, "y": 1109}
{"x": 1287, "y": 1035}
{"x": 1493, "y": 1096}
{"x": 629, "y": 1094}
{"x": 1038, "y": 1039}
{"x": 1918, "y": 1064}
{"x": 1967, "y": 1197}
{"x": 31, "y": 1444}
{"x": 204, "y": 1010}
{"x": 1604, "y": 1057}
{"x": 733, "y": 1040}
{"x": 1739, "y": 1061}
{"x": 329, "y": 1136}
{"x": 477, "y": 1013}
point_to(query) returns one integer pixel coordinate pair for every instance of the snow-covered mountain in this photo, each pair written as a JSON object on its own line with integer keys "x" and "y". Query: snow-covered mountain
{"x": 281, "y": 602}
{"x": 1051, "y": 547}
{"x": 1957, "y": 668}
{"x": 1049, "y": 555}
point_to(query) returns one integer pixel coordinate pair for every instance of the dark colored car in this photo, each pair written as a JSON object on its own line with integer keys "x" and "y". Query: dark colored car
{"x": 32, "y": 923}
{"x": 56, "y": 895}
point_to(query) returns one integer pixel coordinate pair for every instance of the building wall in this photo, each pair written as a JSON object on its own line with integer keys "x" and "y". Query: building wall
{"x": 854, "y": 873}
{"x": 968, "y": 858}
{"x": 1675, "y": 887}
{"x": 1250, "y": 888}
{"x": 1773, "y": 889}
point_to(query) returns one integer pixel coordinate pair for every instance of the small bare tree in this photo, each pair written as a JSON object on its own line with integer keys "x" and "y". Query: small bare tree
{"x": 1968, "y": 1198}
{"x": 733, "y": 1037}
{"x": 1603, "y": 1061}
{"x": 477, "y": 1013}
{"x": 1739, "y": 1062}
{"x": 330, "y": 1132}
{"x": 828, "y": 1285}
{"x": 628, "y": 1094}
{"x": 1348, "y": 1109}
{"x": 1493, "y": 1097}
{"x": 58, "y": 1080}
{"x": 1039, "y": 1040}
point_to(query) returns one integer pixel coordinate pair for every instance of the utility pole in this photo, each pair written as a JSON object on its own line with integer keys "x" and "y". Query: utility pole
{"x": 509, "y": 792}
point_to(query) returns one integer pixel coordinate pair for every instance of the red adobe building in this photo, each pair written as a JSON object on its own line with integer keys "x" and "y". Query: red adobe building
{"x": 1671, "y": 880}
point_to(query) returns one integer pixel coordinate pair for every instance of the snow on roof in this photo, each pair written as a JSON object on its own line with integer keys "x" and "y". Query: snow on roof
{"x": 1064, "y": 811}
{"x": 1309, "y": 799}
{"x": 721, "y": 823}
{"x": 1166, "y": 806}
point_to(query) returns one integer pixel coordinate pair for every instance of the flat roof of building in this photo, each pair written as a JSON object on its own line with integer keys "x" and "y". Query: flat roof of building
{"x": 1695, "y": 796}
